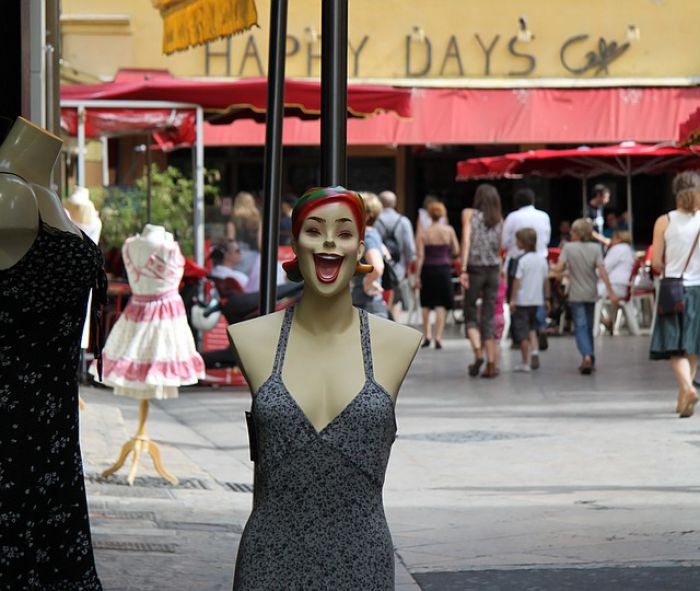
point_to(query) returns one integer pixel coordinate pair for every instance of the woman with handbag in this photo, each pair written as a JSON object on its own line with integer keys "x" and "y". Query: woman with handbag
{"x": 676, "y": 254}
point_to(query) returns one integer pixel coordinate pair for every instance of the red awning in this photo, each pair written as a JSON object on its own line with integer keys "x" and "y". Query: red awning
{"x": 226, "y": 100}
{"x": 170, "y": 127}
{"x": 689, "y": 130}
{"x": 486, "y": 116}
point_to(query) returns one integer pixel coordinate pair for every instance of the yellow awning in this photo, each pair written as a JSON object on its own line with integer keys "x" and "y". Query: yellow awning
{"x": 187, "y": 23}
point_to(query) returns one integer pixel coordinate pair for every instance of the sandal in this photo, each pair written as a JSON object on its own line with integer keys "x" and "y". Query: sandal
{"x": 490, "y": 371}
{"x": 689, "y": 407}
{"x": 426, "y": 343}
{"x": 476, "y": 366}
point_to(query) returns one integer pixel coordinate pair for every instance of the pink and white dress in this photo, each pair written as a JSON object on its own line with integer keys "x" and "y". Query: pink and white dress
{"x": 150, "y": 351}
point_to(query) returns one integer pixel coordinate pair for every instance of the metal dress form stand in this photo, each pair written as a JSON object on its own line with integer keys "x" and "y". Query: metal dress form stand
{"x": 136, "y": 446}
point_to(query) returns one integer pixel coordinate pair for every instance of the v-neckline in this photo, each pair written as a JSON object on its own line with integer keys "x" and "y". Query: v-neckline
{"x": 367, "y": 366}
{"x": 334, "y": 420}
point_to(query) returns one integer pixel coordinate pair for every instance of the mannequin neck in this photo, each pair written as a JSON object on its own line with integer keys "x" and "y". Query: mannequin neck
{"x": 155, "y": 234}
{"x": 30, "y": 152}
{"x": 320, "y": 314}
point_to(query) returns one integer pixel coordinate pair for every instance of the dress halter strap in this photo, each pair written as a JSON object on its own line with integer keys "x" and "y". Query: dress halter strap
{"x": 366, "y": 340}
{"x": 282, "y": 343}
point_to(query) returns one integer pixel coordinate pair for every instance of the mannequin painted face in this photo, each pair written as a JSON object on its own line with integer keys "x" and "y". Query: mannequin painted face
{"x": 328, "y": 248}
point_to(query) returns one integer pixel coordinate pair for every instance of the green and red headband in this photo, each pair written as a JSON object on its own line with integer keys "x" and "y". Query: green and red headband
{"x": 314, "y": 198}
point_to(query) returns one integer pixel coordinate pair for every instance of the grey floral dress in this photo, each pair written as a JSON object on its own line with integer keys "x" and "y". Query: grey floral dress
{"x": 318, "y": 521}
{"x": 45, "y": 540}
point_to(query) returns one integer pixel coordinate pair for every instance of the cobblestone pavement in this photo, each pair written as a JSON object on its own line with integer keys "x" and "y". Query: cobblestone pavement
{"x": 547, "y": 481}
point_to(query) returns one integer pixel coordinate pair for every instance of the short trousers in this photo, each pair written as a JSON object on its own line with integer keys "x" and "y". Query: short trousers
{"x": 523, "y": 321}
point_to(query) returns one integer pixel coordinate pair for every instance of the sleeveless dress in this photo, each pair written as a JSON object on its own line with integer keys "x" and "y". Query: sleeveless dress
{"x": 150, "y": 351}
{"x": 318, "y": 520}
{"x": 45, "y": 542}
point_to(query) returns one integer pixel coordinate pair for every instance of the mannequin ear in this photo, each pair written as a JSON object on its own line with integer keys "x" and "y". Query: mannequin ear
{"x": 360, "y": 250}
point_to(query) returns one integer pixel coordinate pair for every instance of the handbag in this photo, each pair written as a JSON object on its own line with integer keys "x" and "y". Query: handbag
{"x": 671, "y": 291}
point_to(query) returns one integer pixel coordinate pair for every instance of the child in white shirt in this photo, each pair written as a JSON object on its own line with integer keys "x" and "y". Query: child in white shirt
{"x": 530, "y": 291}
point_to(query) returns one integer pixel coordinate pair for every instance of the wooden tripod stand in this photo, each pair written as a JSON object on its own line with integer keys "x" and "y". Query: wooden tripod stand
{"x": 136, "y": 445}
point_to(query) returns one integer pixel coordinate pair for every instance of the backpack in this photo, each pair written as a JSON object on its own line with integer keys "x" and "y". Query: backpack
{"x": 390, "y": 241}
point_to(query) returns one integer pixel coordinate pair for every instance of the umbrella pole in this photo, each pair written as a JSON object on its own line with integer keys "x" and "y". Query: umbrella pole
{"x": 272, "y": 181}
{"x": 149, "y": 198}
{"x": 199, "y": 188}
{"x": 584, "y": 197}
{"x": 334, "y": 92}
{"x": 629, "y": 205}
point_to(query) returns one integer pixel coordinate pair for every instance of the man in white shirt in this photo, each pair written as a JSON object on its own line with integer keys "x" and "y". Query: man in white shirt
{"x": 526, "y": 216}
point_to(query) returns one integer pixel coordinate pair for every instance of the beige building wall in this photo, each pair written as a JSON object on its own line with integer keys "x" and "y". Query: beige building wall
{"x": 461, "y": 42}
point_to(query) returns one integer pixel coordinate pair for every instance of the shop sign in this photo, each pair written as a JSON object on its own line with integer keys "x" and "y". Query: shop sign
{"x": 579, "y": 55}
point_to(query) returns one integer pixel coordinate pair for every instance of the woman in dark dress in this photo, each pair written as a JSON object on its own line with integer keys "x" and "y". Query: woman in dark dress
{"x": 436, "y": 248}
{"x": 45, "y": 540}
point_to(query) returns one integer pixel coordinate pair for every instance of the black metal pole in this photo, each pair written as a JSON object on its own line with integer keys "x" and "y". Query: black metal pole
{"x": 334, "y": 92}
{"x": 273, "y": 156}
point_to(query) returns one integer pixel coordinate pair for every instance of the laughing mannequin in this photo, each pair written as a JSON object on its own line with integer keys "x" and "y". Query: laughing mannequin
{"x": 30, "y": 153}
{"x": 324, "y": 378}
{"x": 326, "y": 326}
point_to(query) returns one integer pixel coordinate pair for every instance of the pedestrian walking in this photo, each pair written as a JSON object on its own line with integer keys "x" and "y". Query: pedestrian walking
{"x": 530, "y": 291}
{"x": 527, "y": 216}
{"x": 482, "y": 228}
{"x": 676, "y": 254}
{"x": 367, "y": 289}
{"x": 436, "y": 247}
{"x": 583, "y": 257}
{"x": 397, "y": 234}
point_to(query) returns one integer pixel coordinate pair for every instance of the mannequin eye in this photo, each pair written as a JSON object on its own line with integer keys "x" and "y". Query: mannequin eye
{"x": 313, "y": 231}
{"x": 345, "y": 234}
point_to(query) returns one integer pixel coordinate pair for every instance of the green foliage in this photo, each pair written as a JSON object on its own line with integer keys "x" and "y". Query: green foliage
{"x": 123, "y": 210}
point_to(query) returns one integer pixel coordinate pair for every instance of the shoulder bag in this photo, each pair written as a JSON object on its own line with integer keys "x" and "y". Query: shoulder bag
{"x": 671, "y": 290}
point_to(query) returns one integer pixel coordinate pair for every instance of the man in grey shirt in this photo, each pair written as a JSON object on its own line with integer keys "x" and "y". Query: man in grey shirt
{"x": 397, "y": 234}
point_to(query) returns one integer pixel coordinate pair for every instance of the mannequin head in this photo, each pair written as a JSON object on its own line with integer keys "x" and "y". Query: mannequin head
{"x": 328, "y": 226}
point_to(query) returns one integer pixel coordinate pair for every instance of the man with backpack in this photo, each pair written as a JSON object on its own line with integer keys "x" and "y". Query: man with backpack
{"x": 397, "y": 234}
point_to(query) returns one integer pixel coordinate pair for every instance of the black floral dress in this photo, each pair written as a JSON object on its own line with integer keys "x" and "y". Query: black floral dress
{"x": 44, "y": 529}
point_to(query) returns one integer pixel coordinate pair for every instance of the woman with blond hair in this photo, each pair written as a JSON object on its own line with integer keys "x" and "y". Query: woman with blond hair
{"x": 676, "y": 253}
{"x": 583, "y": 257}
{"x": 436, "y": 247}
{"x": 367, "y": 289}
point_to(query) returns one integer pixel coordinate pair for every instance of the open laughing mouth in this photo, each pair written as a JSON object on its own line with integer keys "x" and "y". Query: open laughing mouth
{"x": 327, "y": 267}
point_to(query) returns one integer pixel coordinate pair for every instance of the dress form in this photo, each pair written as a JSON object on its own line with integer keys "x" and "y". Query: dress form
{"x": 324, "y": 391}
{"x": 150, "y": 352}
{"x": 83, "y": 213}
{"x": 19, "y": 219}
{"x": 326, "y": 327}
{"x": 30, "y": 152}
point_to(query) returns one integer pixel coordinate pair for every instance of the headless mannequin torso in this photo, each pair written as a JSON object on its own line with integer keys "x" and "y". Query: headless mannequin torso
{"x": 19, "y": 219}
{"x": 27, "y": 157}
{"x": 324, "y": 368}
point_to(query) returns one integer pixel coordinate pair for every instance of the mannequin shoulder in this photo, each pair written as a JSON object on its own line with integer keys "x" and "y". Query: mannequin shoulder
{"x": 394, "y": 346}
{"x": 255, "y": 342}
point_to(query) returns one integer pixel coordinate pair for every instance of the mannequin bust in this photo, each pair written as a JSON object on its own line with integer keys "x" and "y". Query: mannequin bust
{"x": 19, "y": 219}
{"x": 325, "y": 327}
{"x": 83, "y": 213}
{"x": 30, "y": 153}
{"x": 325, "y": 377}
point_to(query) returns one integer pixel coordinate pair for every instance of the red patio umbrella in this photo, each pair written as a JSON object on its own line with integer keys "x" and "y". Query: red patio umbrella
{"x": 627, "y": 159}
{"x": 689, "y": 130}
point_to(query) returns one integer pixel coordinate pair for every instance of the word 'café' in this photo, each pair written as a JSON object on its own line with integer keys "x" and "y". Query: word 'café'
{"x": 424, "y": 56}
